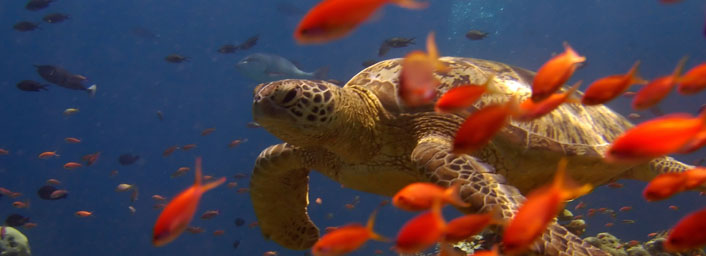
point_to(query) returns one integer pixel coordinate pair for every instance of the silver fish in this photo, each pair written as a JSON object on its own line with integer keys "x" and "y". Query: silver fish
{"x": 262, "y": 67}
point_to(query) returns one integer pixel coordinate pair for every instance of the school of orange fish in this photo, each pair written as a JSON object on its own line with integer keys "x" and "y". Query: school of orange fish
{"x": 334, "y": 19}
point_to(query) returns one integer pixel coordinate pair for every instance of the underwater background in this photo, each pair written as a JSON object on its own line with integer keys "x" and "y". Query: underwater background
{"x": 121, "y": 46}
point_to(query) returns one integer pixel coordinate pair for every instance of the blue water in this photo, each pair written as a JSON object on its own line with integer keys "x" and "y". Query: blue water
{"x": 134, "y": 82}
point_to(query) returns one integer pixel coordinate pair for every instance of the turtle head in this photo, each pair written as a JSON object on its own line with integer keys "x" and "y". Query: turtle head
{"x": 320, "y": 114}
{"x": 296, "y": 111}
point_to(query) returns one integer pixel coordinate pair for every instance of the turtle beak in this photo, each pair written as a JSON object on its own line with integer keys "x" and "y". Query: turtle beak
{"x": 264, "y": 108}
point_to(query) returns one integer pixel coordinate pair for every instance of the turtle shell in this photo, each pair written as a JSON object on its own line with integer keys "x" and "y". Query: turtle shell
{"x": 570, "y": 130}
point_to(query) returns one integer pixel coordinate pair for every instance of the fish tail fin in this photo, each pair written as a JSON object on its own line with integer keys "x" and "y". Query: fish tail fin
{"x": 565, "y": 185}
{"x": 411, "y": 4}
{"x": 369, "y": 226}
{"x": 680, "y": 67}
{"x": 321, "y": 73}
{"x": 92, "y": 90}
{"x": 574, "y": 56}
{"x": 634, "y": 77}
{"x": 571, "y": 91}
{"x": 212, "y": 185}
{"x": 433, "y": 54}
{"x": 452, "y": 196}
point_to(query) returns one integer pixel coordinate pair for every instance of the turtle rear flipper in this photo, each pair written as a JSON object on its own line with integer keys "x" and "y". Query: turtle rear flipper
{"x": 485, "y": 190}
{"x": 279, "y": 190}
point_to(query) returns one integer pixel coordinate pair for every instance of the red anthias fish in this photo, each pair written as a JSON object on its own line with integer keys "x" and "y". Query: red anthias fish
{"x": 555, "y": 72}
{"x": 480, "y": 127}
{"x": 666, "y": 185}
{"x": 461, "y": 97}
{"x": 180, "y": 211}
{"x": 540, "y": 208}
{"x": 657, "y": 89}
{"x": 657, "y": 137}
{"x": 346, "y": 239}
{"x": 334, "y": 19}
{"x": 530, "y": 110}
{"x": 610, "y": 87}
{"x": 688, "y": 233}
{"x": 693, "y": 81}
{"x": 417, "y": 81}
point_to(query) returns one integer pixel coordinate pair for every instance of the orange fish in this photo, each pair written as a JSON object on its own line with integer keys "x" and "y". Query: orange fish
{"x": 21, "y": 205}
{"x": 48, "y": 154}
{"x": 83, "y": 214}
{"x": 657, "y": 137}
{"x": 422, "y": 231}
{"x": 421, "y": 196}
{"x": 688, "y": 233}
{"x": 54, "y": 182}
{"x": 158, "y": 198}
{"x": 188, "y": 147}
{"x": 179, "y": 172}
{"x": 673, "y": 207}
{"x": 555, "y": 72}
{"x": 540, "y": 208}
{"x": 72, "y": 165}
{"x": 666, "y": 185}
{"x": 4, "y": 151}
{"x": 169, "y": 150}
{"x": 461, "y": 97}
{"x": 90, "y": 159}
{"x": 465, "y": 226}
{"x": 610, "y": 87}
{"x": 530, "y": 109}
{"x": 210, "y": 214}
{"x": 580, "y": 205}
{"x": 207, "y": 131}
{"x": 696, "y": 143}
{"x": 181, "y": 209}
{"x": 417, "y": 82}
{"x": 693, "y": 81}
{"x": 346, "y": 239}
{"x": 236, "y": 142}
{"x": 71, "y": 140}
{"x": 219, "y": 232}
{"x": 625, "y": 208}
{"x": 59, "y": 193}
{"x": 480, "y": 127}
{"x": 657, "y": 89}
{"x": 334, "y": 19}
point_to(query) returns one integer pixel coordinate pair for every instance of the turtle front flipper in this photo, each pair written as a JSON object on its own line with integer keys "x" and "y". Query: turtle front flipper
{"x": 485, "y": 190}
{"x": 279, "y": 190}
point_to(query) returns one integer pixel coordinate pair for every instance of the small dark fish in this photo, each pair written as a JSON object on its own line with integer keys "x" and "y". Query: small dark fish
{"x": 62, "y": 77}
{"x": 35, "y": 5}
{"x": 476, "y": 34}
{"x": 128, "y": 159}
{"x": 24, "y": 26}
{"x": 160, "y": 115}
{"x": 368, "y": 63}
{"x": 31, "y": 86}
{"x": 45, "y": 192}
{"x": 249, "y": 43}
{"x": 176, "y": 58}
{"x": 239, "y": 222}
{"x": 399, "y": 42}
{"x": 236, "y": 243}
{"x": 384, "y": 48}
{"x": 16, "y": 220}
{"x": 55, "y": 17}
{"x": 227, "y": 48}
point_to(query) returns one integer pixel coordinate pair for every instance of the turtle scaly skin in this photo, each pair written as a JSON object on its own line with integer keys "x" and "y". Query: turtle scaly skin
{"x": 361, "y": 136}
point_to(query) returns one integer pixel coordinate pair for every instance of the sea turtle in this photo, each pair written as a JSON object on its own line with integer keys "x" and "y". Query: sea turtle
{"x": 361, "y": 136}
